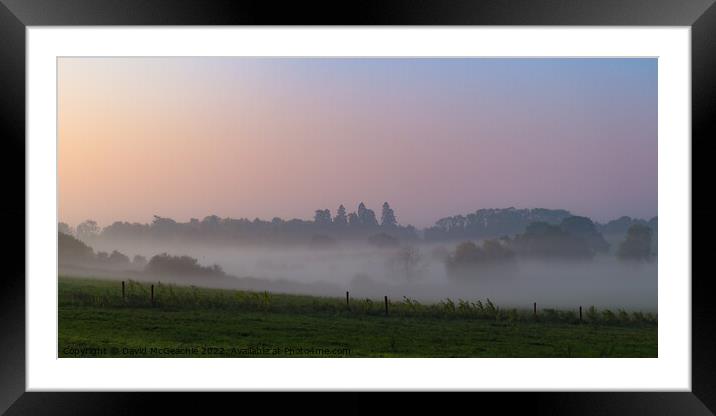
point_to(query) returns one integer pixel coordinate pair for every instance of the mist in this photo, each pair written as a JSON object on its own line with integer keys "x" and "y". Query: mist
{"x": 370, "y": 272}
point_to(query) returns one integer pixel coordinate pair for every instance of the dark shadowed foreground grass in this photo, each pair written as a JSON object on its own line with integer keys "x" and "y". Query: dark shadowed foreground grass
{"x": 95, "y": 321}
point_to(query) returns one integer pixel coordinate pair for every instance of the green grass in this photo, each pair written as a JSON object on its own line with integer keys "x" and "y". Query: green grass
{"x": 94, "y": 321}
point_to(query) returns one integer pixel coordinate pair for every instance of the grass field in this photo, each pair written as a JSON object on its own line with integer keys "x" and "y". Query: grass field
{"x": 96, "y": 321}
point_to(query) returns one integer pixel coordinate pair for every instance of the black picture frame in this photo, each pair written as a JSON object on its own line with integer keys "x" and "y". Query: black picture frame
{"x": 16, "y": 15}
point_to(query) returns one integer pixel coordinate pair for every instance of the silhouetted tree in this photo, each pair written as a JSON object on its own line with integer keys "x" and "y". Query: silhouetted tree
{"x": 491, "y": 251}
{"x": 387, "y": 219}
{"x": 370, "y": 220}
{"x": 584, "y": 228}
{"x": 341, "y": 219}
{"x": 469, "y": 257}
{"x": 88, "y": 230}
{"x": 361, "y": 214}
{"x": 545, "y": 240}
{"x": 637, "y": 245}
{"x": 165, "y": 228}
{"x": 366, "y": 217}
{"x": 322, "y": 217}
{"x": 118, "y": 259}
{"x": 353, "y": 220}
{"x": 209, "y": 222}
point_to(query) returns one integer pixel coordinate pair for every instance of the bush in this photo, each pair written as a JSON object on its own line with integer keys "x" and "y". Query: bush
{"x": 165, "y": 264}
{"x": 470, "y": 258}
{"x": 118, "y": 258}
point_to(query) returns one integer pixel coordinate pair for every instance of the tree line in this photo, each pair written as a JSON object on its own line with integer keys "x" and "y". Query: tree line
{"x": 363, "y": 224}
{"x": 74, "y": 253}
{"x": 574, "y": 238}
{"x": 324, "y": 228}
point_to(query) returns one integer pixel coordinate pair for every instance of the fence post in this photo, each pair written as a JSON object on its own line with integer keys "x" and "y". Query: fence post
{"x": 534, "y": 309}
{"x": 123, "y": 291}
{"x": 386, "y": 306}
{"x": 348, "y": 300}
{"x": 152, "y": 295}
{"x": 580, "y": 314}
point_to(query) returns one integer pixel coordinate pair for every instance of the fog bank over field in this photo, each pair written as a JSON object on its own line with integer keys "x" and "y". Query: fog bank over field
{"x": 513, "y": 256}
{"x": 370, "y": 272}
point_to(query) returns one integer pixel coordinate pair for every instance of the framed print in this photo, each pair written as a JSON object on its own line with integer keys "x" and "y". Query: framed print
{"x": 468, "y": 197}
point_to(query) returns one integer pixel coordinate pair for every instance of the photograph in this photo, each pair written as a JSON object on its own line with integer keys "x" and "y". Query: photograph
{"x": 349, "y": 207}
{"x": 234, "y": 197}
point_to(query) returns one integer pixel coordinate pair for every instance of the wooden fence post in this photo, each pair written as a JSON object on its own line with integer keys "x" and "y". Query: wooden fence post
{"x": 580, "y": 314}
{"x": 386, "y": 306}
{"x": 348, "y": 300}
{"x": 123, "y": 297}
{"x": 152, "y": 295}
{"x": 534, "y": 308}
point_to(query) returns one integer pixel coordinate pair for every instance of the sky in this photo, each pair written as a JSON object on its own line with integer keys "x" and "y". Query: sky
{"x": 265, "y": 137}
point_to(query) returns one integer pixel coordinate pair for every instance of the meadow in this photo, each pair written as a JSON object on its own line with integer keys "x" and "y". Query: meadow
{"x": 97, "y": 318}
